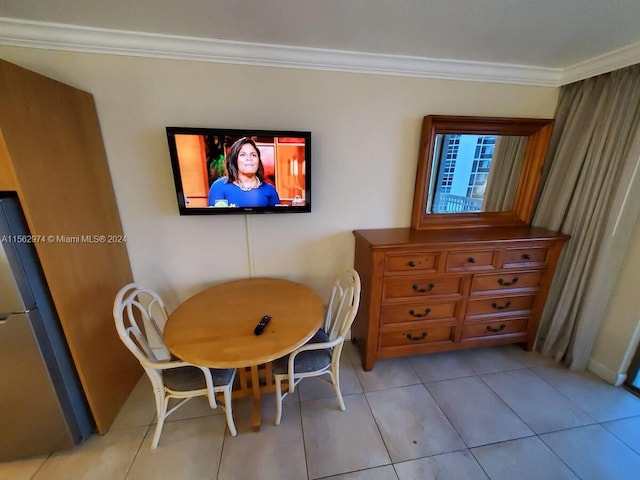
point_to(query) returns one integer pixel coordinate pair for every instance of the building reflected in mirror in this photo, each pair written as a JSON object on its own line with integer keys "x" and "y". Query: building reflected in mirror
{"x": 474, "y": 173}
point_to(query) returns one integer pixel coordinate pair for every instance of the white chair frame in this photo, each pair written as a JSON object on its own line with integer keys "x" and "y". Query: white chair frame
{"x": 341, "y": 312}
{"x": 133, "y": 299}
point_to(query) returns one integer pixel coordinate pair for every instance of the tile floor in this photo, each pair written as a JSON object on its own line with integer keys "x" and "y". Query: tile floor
{"x": 495, "y": 413}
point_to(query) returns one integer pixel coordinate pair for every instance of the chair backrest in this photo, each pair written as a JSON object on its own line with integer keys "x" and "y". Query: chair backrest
{"x": 140, "y": 315}
{"x": 343, "y": 304}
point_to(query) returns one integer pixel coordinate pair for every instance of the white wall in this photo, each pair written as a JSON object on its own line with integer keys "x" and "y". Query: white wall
{"x": 619, "y": 335}
{"x": 365, "y": 134}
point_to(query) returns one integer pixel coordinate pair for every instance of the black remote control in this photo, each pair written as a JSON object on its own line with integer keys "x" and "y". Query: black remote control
{"x": 261, "y": 326}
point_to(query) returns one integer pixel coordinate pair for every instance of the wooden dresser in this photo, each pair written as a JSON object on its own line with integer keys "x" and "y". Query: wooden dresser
{"x": 435, "y": 290}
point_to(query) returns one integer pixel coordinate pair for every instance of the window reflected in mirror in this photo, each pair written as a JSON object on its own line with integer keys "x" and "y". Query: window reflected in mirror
{"x": 474, "y": 173}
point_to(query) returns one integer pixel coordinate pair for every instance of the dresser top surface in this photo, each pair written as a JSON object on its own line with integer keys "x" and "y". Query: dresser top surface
{"x": 406, "y": 236}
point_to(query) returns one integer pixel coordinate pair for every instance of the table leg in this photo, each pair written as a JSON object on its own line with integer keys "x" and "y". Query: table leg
{"x": 255, "y": 388}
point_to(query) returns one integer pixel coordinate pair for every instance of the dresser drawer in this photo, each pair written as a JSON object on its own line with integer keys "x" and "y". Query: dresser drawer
{"x": 417, "y": 335}
{"x": 505, "y": 281}
{"x": 524, "y": 257}
{"x": 418, "y": 262}
{"x": 413, "y": 312}
{"x": 471, "y": 260}
{"x": 500, "y": 306}
{"x": 403, "y": 287}
{"x": 495, "y": 328}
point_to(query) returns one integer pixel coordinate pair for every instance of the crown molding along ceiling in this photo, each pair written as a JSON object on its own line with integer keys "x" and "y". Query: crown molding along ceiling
{"x": 55, "y": 36}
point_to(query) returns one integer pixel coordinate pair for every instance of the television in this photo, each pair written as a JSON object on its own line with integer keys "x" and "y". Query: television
{"x": 221, "y": 171}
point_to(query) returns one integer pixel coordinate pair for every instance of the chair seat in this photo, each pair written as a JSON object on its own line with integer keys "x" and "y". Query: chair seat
{"x": 308, "y": 361}
{"x": 183, "y": 379}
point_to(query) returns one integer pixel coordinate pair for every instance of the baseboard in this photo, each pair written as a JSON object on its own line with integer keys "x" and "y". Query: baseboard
{"x": 609, "y": 376}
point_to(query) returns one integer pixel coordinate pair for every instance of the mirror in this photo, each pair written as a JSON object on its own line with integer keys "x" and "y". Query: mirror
{"x": 478, "y": 171}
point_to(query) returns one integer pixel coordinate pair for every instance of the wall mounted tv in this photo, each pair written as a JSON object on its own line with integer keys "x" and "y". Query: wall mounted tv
{"x": 230, "y": 171}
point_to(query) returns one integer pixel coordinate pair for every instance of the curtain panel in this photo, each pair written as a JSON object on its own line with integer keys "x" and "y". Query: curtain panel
{"x": 591, "y": 190}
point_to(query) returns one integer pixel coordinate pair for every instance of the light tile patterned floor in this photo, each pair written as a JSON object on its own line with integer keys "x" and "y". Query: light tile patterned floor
{"x": 496, "y": 413}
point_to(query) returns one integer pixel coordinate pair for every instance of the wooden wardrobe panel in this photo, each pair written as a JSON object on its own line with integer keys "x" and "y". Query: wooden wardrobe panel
{"x": 7, "y": 182}
{"x": 53, "y": 137}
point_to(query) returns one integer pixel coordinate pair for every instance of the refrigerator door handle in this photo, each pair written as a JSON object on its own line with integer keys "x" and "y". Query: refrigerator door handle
{"x": 5, "y": 316}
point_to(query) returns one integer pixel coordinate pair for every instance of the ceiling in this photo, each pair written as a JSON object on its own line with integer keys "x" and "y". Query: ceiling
{"x": 546, "y": 42}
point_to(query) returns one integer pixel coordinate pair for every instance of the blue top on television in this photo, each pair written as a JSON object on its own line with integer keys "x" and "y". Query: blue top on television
{"x": 263, "y": 196}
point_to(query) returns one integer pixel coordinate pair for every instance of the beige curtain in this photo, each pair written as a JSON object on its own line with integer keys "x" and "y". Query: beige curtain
{"x": 589, "y": 184}
{"x": 504, "y": 173}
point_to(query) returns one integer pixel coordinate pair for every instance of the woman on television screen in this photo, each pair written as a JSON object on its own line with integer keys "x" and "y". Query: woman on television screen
{"x": 244, "y": 184}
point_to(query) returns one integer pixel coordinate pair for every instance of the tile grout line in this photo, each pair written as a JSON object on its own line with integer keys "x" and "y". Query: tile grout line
{"x": 304, "y": 441}
{"x": 535, "y": 434}
{"x": 133, "y": 460}
{"x": 224, "y": 441}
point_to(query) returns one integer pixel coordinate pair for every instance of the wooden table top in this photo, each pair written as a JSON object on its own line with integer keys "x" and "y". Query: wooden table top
{"x": 214, "y": 328}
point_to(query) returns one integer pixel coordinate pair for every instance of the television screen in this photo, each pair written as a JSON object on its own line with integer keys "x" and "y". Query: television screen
{"x": 229, "y": 171}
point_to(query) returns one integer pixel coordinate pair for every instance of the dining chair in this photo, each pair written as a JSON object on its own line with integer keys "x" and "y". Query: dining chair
{"x": 321, "y": 354}
{"x": 140, "y": 311}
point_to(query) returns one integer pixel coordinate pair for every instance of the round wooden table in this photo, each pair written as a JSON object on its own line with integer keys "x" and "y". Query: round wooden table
{"x": 214, "y": 328}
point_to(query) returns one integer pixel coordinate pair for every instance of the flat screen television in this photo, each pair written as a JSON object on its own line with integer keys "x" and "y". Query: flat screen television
{"x": 220, "y": 171}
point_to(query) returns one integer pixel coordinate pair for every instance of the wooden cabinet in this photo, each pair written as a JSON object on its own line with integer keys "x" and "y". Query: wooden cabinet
{"x": 52, "y": 158}
{"x": 435, "y": 290}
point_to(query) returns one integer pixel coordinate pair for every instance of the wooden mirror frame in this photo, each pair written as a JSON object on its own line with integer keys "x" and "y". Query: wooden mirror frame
{"x": 538, "y": 133}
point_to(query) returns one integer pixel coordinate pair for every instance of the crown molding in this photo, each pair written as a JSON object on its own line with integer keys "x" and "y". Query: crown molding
{"x": 53, "y": 36}
{"x": 614, "y": 60}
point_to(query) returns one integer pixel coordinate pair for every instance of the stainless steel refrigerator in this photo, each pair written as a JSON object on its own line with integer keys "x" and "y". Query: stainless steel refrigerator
{"x": 42, "y": 405}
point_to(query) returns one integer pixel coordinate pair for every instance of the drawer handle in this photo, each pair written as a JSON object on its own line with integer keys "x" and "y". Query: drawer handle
{"x": 494, "y": 330}
{"x": 501, "y": 307}
{"x": 526, "y": 256}
{"x": 422, "y": 290}
{"x": 427, "y": 311}
{"x": 472, "y": 260}
{"x": 415, "y": 339}
{"x": 412, "y": 263}
{"x": 506, "y": 284}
